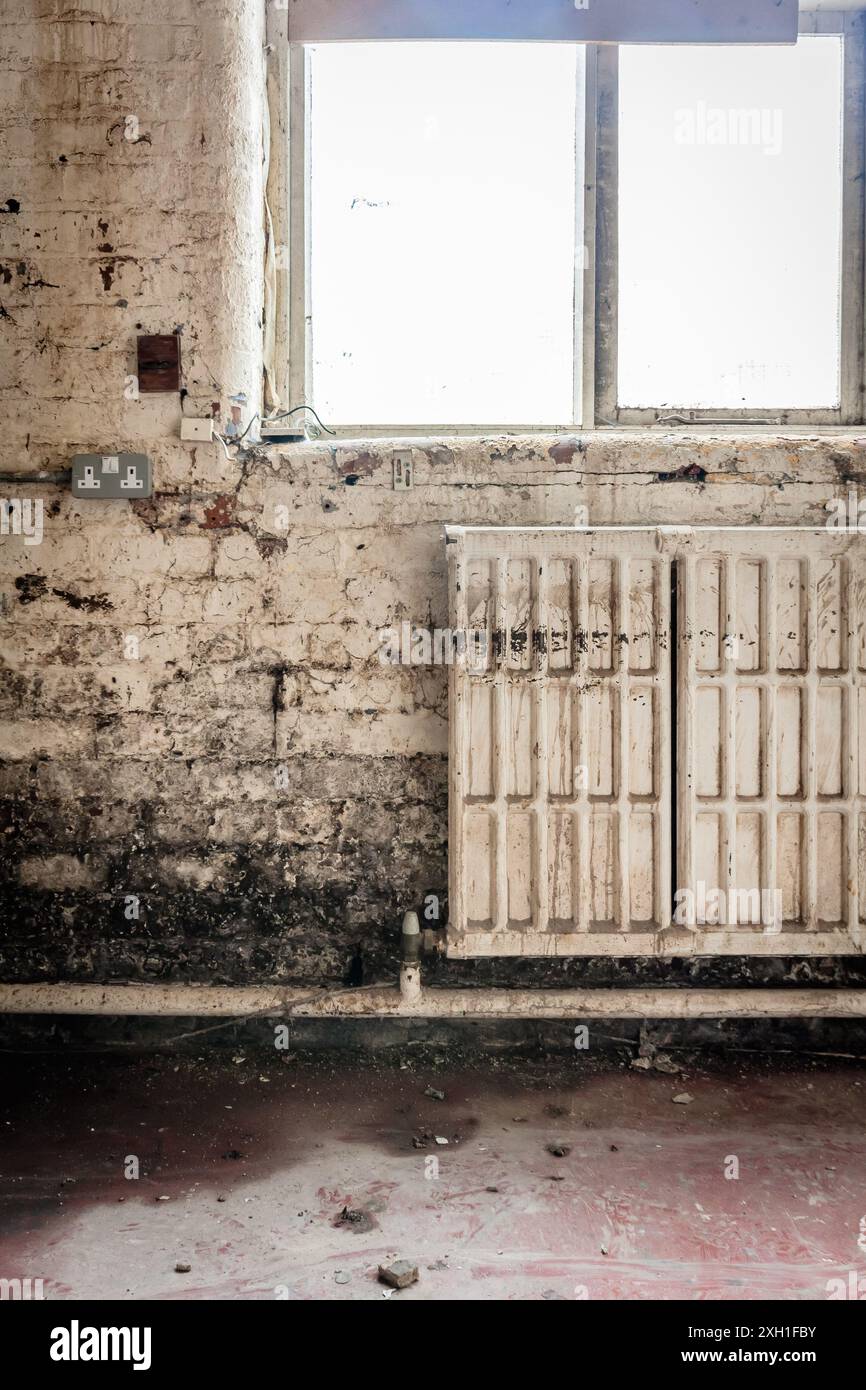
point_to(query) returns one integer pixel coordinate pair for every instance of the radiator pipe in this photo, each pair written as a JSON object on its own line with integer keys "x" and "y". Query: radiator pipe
{"x": 410, "y": 968}
{"x": 411, "y": 1001}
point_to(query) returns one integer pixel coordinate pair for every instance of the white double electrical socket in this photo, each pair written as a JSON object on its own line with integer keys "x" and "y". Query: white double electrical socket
{"x": 104, "y": 477}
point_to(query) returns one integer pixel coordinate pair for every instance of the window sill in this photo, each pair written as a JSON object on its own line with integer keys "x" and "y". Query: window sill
{"x": 380, "y": 439}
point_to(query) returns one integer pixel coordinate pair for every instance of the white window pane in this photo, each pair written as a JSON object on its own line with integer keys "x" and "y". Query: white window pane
{"x": 443, "y": 232}
{"x": 730, "y": 224}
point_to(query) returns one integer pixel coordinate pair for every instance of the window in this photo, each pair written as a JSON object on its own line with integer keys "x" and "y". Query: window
{"x": 442, "y": 232}
{"x": 730, "y": 218}
{"x": 535, "y": 236}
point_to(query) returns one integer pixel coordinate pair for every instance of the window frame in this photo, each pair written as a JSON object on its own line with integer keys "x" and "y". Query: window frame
{"x": 596, "y": 271}
{"x": 608, "y": 412}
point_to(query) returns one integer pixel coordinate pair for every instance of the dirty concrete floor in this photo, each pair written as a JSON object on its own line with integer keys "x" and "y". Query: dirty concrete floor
{"x": 247, "y": 1162}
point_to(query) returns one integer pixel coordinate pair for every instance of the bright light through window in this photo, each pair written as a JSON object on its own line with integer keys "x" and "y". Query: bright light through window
{"x": 443, "y": 232}
{"x": 730, "y": 224}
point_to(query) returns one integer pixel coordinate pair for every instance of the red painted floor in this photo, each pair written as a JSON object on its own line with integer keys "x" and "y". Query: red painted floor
{"x": 639, "y": 1208}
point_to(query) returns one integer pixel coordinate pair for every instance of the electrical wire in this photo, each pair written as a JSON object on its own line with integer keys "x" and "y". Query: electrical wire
{"x": 247, "y": 430}
{"x": 281, "y": 415}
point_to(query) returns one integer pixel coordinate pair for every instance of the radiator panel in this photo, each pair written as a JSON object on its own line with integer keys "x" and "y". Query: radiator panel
{"x": 571, "y": 698}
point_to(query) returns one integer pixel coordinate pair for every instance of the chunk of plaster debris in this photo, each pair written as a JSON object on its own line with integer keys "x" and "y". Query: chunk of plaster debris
{"x": 399, "y": 1275}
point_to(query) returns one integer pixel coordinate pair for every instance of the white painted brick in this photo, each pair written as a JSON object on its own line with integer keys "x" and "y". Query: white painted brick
{"x": 44, "y": 738}
{"x": 368, "y": 736}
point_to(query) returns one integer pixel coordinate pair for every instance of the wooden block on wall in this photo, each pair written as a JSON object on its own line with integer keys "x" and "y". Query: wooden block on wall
{"x": 158, "y": 362}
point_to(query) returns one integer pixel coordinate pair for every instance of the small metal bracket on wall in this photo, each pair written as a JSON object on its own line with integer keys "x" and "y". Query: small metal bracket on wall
{"x": 404, "y": 475}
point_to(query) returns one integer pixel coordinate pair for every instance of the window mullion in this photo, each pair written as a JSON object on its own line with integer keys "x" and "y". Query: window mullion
{"x": 300, "y": 359}
{"x": 585, "y": 153}
{"x": 606, "y": 232}
{"x": 853, "y": 284}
